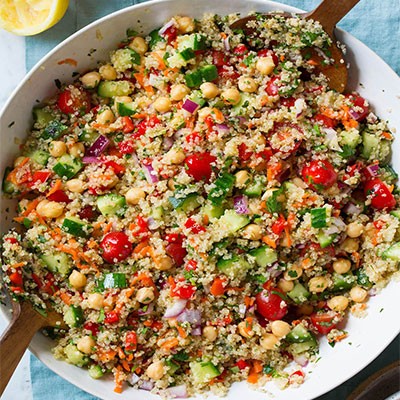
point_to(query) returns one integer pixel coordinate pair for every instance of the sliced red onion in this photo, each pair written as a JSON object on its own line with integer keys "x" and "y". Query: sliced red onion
{"x": 372, "y": 292}
{"x": 354, "y": 114}
{"x": 133, "y": 379}
{"x": 177, "y": 392}
{"x": 221, "y": 128}
{"x": 301, "y": 359}
{"x": 191, "y": 316}
{"x": 91, "y": 160}
{"x": 352, "y": 209}
{"x": 240, "y": 204}
{"x": 190, "y": 106}
{"x": 176, "y": 308}
{"x": 168, "y": 142}
{"x": 168, "y": 25}
{"x": 149, "y": 173}
{"x": 373, "y": 170}
{"x": 97, "y": 148}
{"x": 330, "y": 230}
{"x": 274, "y": 270}
{"x": 152, "y": 223}
{"x": 196, "y": 331}
{"x": 149, "y": 310}
{"x": 146, "y": 385}
{"x": 339, "y": 223}
{"x": 226, "y": 44}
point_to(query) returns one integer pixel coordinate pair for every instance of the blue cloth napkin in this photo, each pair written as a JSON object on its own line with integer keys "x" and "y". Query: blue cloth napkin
{"x": 375, "y": 23}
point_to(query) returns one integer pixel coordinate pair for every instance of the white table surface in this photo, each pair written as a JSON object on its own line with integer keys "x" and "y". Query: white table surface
{"x": 12, "y": 70}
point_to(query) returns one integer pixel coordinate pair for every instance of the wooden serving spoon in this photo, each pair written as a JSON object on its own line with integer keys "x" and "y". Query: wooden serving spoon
{"x": 16, "y": 338}
{"x": 328, "y": 14}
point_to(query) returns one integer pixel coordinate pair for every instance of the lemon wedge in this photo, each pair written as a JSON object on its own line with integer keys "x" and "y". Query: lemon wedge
{"x": 29, "y": 17}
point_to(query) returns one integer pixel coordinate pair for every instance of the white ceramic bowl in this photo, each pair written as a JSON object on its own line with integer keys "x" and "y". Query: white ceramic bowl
{"x": 369, "y": 75}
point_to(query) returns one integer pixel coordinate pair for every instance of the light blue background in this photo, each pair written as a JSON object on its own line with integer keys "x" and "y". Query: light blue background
{"x": 374, "y": 22}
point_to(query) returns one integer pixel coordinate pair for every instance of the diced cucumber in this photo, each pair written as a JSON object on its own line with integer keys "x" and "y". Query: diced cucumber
{"x": 299, "y": 294}
{"x": 233, "y": 266}
{"x": 95, "y": 371}
{"x": 274, "y": 201}
{"x": 223, "y": 185}
{"x": 67, "y": 166}
{"x": 203, "y": 372}
{"x": 114, "y": 280}
{"x": 297, "y": 348}
{"x": 157, "y": 213}
{"x": 187, "y": 54}
{"x": 325, "y": 240}
{"x": 42, "y": 116}
{"x": 74, "y": 356}
{"x": 343, "y": 282}
{"x": 176, "y": 61}
{"x": 88, "y": 136}
{"x": 212, "y": 211}
{"x": 7, "y": 186}
{"x": 264, "y": 256}
{"x": 255, "y": 188}
{"x": 193, "y": 79}
{"x": 209, "y": 73}
{"x": 126, "y": 109}
{"x": 370, "y": 143}
{"x": 76, "y": 227}
{"x": 194, "y": 41}
{"x": 197, "y": 98}
{"x": 350, "y": 138}
{"x": 185, "y": 203}
{"x": 392, "y": 253}
{"x": 114, "y": 88}
{"x": 172, "y": 366}
{"x": 73, "y": 317}
{"x": 319, "y": 217}
{"x": 363, "y": 279}
{"x": 241, "y": 107}
{"x": 39, "y": 156}
{"x": 231, "y": 221}
{"x": 54, "y": 130}
{"x": 299, "y": 334}
{"x": 155, "y": 38}
{"x": 111, "y": 204}
{"x": 57, "y": 262}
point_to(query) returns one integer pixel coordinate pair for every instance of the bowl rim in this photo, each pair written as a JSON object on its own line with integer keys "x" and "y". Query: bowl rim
{"x": 340, "y": 32}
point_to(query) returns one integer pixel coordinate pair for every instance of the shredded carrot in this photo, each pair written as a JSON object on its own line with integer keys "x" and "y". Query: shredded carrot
{"x": 273, "y": 171}
{"x": 253, "y": 377}
{"x": 248, "y": 301}
{"x": 340, "y": 337}
{"x": 282, "y": 58}
{"x": 169, "y": 344}
{"x": 57, "y": 186}
{"x": 126, "y": 366}
{"x": 108, "y": 228}
{"x": 357, "y": 258}
{"x": 248, "y": 326}
{"x": 121, "y": 353}
{"x": 118, "y": 379}
{"x": 106, "y": 355}
{"x": 189, "y": 122}
{"x": 161, "y": 63}
{"x": 141, "y": 80}
{"x": 20, "y": 220}
{"x": 387, "y": 135}
{"x": 288, "y": 239}
{"x": 12, "y": 176}
{"x": 219, "y": 117}
{"x": 218, "y": 287}
{"x": 306, "y": 263}
{"x": 312, "y": 62}
{"x": 31, "y": 206}
{"x": 269, "y": 241}
{"x": 223, "y": 35}
{"x": 206, "y": 219}
{"x": 66, "y": 298}
{"x": 18, "y": 265}
{"x": 257, "y": 366}
{"x": 181, "y": 331}
{"x": 139, "y": 116}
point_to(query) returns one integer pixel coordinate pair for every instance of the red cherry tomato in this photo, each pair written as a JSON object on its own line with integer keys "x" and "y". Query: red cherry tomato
{"x": 92, "y": 327}
{"x": 126, "y": 147}
{"x": 279, "y": 225}
{"x": 131, "y": 341}
{"x": 116, "y": 247}
{"x": 242, "y": 364}
{"x": 89, "y": 213}
{"x": 170, "y": 34}
{"x": 288, "y": 102}
{"x": 360, "y": 110}
{"x": 219, "y": 58}
{"x": 194, "y": 227}
{"x": 381, "y": 197}
{"x": 177, "y": 252}
{"x": 285, "y": 138}
{"x": 150, "y": 122}
{"x": 325, "y": 121}
{"x": 228, "y": 73}
{"x": 244, "y": 154}
{"x": 183, "y": 290}
{"x": 59, "y": 196}
{"x": 16, "y": 278}
{"x": 319, "y": 174}
{"x": 323, "y": 321}
{"x": 269, "y": 53}
{"x": 272, "y": 88}
{"x": 111, "y": 317}
{"x": 199, "y": 166}
{"x": 271, "y": 305}
{"x": 76, "y": 101}
{"x": 240, "y": 50}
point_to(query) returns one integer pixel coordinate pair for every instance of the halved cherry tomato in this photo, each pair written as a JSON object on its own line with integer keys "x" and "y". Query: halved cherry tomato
{"x": 131, "y": 341}
{"x": 92, "y": 327}
{"x": 170, "y": 34}
{"x": 219, "y": 58}
{"x": 285, "y": 138}
{"x": 76, "y": 101}
{"x": 142, "y": 127}
{"x": 319, "y": 174}
{"x": 244, "y": 154}
{"x": 116, "y": 247}
{"x": 269, "y": 53}
{"x": 127, "y": 124}
{"x": 279, "y": 225}
{"x": 381, "y": 197}
{"x": 177, "y": 252}
{"x": 199, "y": 166}
{"x": 111, "y": 317}
{"x": 39, "y": 177}
{"x": 193, "y": 226}
{"x": 183, "y": 290}
{"x": 323, "y": 321}
{"x": 272, "y": 88}
{"x": 325, "y": 121}
{"x": 88, "y": 212}
{"x": 240, "y": 49}
{"x": 242, "y": 364}
{"x": 59, "y": 196}
{"x": 270, "y": 304}
{"x": 228, "y": 73}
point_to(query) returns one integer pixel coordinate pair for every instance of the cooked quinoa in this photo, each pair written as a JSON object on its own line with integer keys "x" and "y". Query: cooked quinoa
{"x": 202, "y": 208}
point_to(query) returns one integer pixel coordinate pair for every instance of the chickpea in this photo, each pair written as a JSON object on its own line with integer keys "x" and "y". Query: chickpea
{"x": 19, "y": 160}
{"x": 338, "y": 303}
{"x": 57, "y": 148}
{"x": 75, "y": 185}
{"x": 179, "y": 91}
{"x": 90, "y": 80}
{"x": 209, "y": 90}
{"x": 252, "y": 232}
{"x": 341, "y": 265}
{"x": 280, "y": 328}
{"x": 139, "y": 45}
{"x": 162, "y": 104}
{"x": 265, "y": 65}
{"x": 85, "y": 344}
{"x": 350, "y": 245}
{"x": 203, "y": 113}
{"x": 49, "y": 209}
{"x": 155, "y": 370}
{"x": 185, "y": 24}
{"x": 105, "y": 117}
{"x": 299, "y": 183}
{"x": 134, "y": 195}
{"x": 354, "y": 229}
{"x": 77, "y": 279}
{"x": 171, "y": 184}
{"x": 164, "y": 263}
{"x": 242, "y": 178}
{"x": 259, "y": 139}
{"x": 318, "y": 284}
{"x": 231, "y": 96}
{"x": 245, "y": 330}
{"x": 358, "y": 294}
{"x": 293, "y": 273}
{"x": 145, "y": 295}
{"x": 268, "y": 341}
{"x": 77, "y": 150}
{"x": 247, "y": 84}
{"x": 95, "y": 301}
{"x": 285, "y": 285}
{"x": 174, "y": 156}
{"x": 108, "y": 72}
{"x": 210, "y": 333}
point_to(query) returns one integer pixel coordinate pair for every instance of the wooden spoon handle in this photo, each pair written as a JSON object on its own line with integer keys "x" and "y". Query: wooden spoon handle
{"x": 15, "y": 340}
{"x": 330, "y": 12}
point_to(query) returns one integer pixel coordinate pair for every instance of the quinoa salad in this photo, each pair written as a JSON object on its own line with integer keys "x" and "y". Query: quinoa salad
{"x": 202, "y": 208}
